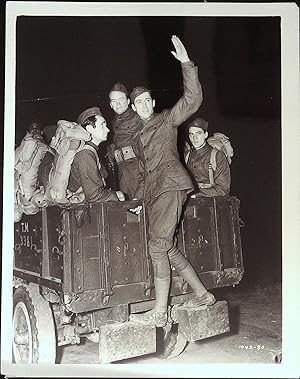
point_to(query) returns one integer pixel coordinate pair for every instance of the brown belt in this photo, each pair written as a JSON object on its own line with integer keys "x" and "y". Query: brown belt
{"x": 124, "y": 154}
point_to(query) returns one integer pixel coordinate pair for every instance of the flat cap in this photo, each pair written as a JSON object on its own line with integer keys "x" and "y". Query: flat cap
{"x": 199, "y": 122}
{"x": 119, "y": 87}
{"x": 137, "y": 91}
{"x": 94, "y": 111}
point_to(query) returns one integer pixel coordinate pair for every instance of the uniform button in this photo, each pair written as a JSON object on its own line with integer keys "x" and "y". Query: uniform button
{"x": 194, "y": 166}
{"x": 150, "y": 171}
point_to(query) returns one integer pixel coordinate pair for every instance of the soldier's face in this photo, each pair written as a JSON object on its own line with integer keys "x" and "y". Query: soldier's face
{"x": 118, "y": 101}
{"x": 197, "y": 136}
{"x": 144, "y": 105}
{"x": 100, "y": 131}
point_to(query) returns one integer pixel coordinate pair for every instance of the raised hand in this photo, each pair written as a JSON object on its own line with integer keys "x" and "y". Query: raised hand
{"x": 180, "y": 53}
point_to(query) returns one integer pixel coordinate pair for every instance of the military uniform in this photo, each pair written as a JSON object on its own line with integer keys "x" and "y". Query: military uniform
{"x": 166, "y": 181}
{"x": 124, "y": 126}
{"x": 86, "y": 173}
{"x": 198, "y": 166}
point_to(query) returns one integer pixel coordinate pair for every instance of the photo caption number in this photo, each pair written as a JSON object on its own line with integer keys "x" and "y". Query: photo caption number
{"x": 252, "y": 347}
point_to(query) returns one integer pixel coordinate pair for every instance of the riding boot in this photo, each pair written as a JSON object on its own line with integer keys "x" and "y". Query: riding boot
{"x": 158, "y": 315}
{"x": 203, "y": 297}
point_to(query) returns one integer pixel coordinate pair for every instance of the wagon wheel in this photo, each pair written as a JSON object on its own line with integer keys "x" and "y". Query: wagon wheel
{"x": 171, "y": 343}
{"x": 34, "y": 339}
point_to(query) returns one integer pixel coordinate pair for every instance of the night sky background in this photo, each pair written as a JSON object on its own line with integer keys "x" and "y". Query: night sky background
{"x": 70, "y": 63}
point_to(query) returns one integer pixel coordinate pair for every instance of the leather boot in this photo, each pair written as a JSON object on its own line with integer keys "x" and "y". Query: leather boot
{"x": 203, "y": 297}
{"x": 158, "y": 315}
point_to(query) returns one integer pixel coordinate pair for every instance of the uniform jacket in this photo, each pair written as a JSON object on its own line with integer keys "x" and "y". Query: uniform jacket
{"x": 85, "y": 173}
{"x": 198, "y": 164}
{"x": 156, "y": 141}
{"x": 124, "y": 126}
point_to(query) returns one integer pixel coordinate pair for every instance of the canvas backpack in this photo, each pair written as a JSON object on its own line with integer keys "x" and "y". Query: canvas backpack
{"x": 220, "y": 142}
{"x": 28, "y": 157}
{"x": 69, "y": 138}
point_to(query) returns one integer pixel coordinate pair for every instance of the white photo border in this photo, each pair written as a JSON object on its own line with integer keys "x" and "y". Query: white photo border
{"x": 289, "y": 13}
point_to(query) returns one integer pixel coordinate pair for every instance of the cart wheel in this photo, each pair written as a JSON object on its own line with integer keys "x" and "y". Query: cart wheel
{"x": 34, "y": 339}
{"x": 171, "y": 343}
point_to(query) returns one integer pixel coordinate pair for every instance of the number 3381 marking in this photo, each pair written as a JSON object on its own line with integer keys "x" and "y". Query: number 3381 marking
{"x": 26, "y": 241}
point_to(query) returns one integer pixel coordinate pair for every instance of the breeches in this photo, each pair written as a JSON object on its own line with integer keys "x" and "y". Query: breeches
{"x": 163, "y": 217}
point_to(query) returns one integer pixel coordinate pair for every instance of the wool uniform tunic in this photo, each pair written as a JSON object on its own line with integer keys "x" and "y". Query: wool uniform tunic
{"x": 85, "y": 173}
{"x": 166, "y": 182}
{"x": 125, "y": 126}
{"x": 198, "y": 166}
{"x": 156, "y": 141}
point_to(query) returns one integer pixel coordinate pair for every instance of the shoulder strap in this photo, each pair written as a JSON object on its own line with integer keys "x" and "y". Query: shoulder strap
{"x": 88, "y": 147}
{"x": 212, "y": 165}
{"x": 187, "y": 156}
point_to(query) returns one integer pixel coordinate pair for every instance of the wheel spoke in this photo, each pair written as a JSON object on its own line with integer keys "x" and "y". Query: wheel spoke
{"x": 21, "y": 339}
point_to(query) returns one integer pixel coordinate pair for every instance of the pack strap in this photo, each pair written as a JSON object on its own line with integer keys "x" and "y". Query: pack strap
{"x": 88, "y": 147}
{"x": 212, "y": 166}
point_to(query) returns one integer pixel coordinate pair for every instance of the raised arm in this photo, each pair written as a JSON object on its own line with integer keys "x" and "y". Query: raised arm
{"x": 192, "y": 97}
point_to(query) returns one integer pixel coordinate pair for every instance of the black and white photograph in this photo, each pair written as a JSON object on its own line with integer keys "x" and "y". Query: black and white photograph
{"x": 151, "y": 190}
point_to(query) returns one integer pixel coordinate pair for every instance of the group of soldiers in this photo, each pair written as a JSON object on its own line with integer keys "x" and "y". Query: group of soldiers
{"x": 149, "y": 168}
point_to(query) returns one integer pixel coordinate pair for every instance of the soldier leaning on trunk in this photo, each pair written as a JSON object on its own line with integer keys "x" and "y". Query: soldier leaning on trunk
{"x": 86, "y": 170}
{"x": 199, "y": 162}
{"x": 166, "y": 185}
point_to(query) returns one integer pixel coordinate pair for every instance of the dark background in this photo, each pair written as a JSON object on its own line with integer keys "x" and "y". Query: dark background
{"x": 70, "y": 63}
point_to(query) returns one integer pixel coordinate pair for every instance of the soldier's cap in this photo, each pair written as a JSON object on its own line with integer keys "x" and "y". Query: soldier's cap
{"x": 119, "y": 87}
{"x": 137, "y": 91}
{"x": 198, "y": 122}
{"x": 94, "y": 111}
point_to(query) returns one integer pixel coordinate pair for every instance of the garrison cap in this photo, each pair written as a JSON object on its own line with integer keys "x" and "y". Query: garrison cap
{"x": 199, "y": 123}
{"x": 119, "y": 87}
{"x": 94, "y": 111}
{"x": 137, "y": 91}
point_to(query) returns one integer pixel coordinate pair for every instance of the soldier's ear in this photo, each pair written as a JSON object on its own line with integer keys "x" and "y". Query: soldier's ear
{"x": 89, "y": 129}
{"x": 153, "y": 103}
{"x": 128, "y": 101}
{"x": 205, "y": 135}
{"x": 133, "y": 107}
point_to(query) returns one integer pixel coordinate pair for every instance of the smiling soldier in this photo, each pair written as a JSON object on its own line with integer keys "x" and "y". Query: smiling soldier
{"x": 166, "y": 184}
{"x": 87, "y": 174}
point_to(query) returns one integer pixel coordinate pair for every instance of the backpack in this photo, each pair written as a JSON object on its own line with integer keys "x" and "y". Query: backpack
{"x": 69, "y": 138}
{"x": 218, "y": 142}
{"x": 28, "y": 157}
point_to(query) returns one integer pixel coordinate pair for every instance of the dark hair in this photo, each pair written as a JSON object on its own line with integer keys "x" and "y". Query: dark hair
{"x": 34, "y": 125}
{"x": 89, "y": 121}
